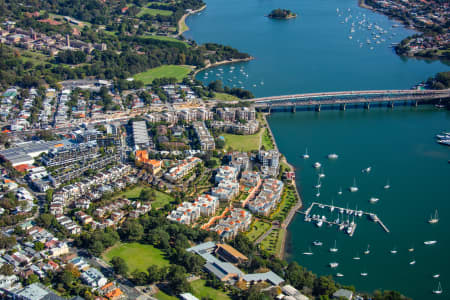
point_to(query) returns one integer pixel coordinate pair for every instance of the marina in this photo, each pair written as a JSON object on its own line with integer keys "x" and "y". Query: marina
{"x": 349, "y": 227}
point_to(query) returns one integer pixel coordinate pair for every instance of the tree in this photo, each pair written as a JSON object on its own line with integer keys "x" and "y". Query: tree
{"x": 7, "y": 241}
{"x": 38, "y": 246}
{"x": 155, "y": 274}
{"x": 7, "y": 270}
{"x": 33, "y": 278}
{"x": 132, "y": 231}
{"x": 177, "y": 280}
{"x": 147, "y": 195}
{"x": 139, "y": 278}
{"x": 119, "y": 265}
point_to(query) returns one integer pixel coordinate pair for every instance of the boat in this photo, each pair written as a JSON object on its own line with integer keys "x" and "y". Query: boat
{"x": 353, "y": 188}
{"x": 317, "y": 243}
{"x": 318, "y": 192}
{"x": 356, "y": 257}
{"x": 430, "y": 242}
{"x": 367, "y": 170}
{"x": 317, "y": 165}
{"x": 332, "y": 156}
{"x": 340, "y": 191}
{"x": 438, "y": 291}
{"x": 339, "y": 275}
{"x": 387, "y": 186}
{"x": 318, "y": 185}
{"x": 321, "y": 174}
{"x": 319, "y": 223}
{"x": 411, "y": 249}
{"x": 394, "y": 251}
{"x": 334, "y": 249}
{"x": 333, "y": 265}
{"x": 364, "y": 274}
{"x": 374, "y": 200}
{"x": 413, "y": 262}
{"x": 435, "y": 219}
{"x": 309, "y": 252}
{"x": 436, "y": 275}
{"x": 367, "y": 251}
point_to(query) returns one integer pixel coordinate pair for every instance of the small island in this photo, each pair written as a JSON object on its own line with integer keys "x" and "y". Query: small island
{"x": 282, "y": 14}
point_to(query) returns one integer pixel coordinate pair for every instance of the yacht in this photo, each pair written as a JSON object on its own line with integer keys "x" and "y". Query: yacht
{"x": 435, "y": 219}
{"x": 430, "y": 242}
{"x": 353, "y": 188}
{"x": 306, "y": 155}
{"x": 318, "y": 192}
{"x": 368, "y": 250}
{"x": 321, "y": 174}
{"x": 317, "y": 243}
{"x": 364, "y": 274}
{"x": 334, "y": 249}
{"x": 394, "y": 251}
{"x": 356, "y": 257}
{"x": 340, "y": 191}
{"x": 317, "y": 165}
{"x": 439, "y": 290}
{"x": 309, "y": 252}
{"x": 411, "y": 249}
{"x": 374, "y": 200}
{"x": 319, "y": 223}
{"x": 333, "y": 265}
{"x": 436, "y": 275}
{"x": 367, "y": 170}
{"x": 339, "y": 275}
{"x": 318, "y": 185}
{"x": 413, "y": 262}
{"x": 387, "y": 186}
{"x": 332, "y": 156}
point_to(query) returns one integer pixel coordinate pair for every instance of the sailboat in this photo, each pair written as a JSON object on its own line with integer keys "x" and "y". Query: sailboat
{"x": 357, "y": 257}
{"x": 412, "y": 262}
{"x": 306, "y": 155}
{"x": 436, "y": 275}
{"x": 430, "y": 242}
{"x": 317, "y": 165}
{"x": 340, "y": 191}
{"x": 394, "y": 251}
{"x": 367, "y": 251}
{"x": 334, "y": 249}
{"x": 387, "y": 186}
{"x": 364, "y": 274}
{"x": 374, "y": 200}
{"x": 309, "y": 252}
{"x": 318, "y": 192}
{"x": 439, "y": 289}
{"x": 435, "y": 219}
{"x": 353, "y": 188}
{"x": 339, "y": 275}
{"x": 321, "y": 174}
{"x": 332, "y": 206}
{"x": 333, "y": 265}
{"x": 319, "y": 184}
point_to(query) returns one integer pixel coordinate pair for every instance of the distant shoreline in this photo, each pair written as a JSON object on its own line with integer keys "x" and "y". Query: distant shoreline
{"x": 182, "y": 21}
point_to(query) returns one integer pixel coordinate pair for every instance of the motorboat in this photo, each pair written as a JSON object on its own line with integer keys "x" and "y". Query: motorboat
{"x": 309, "y": 252}
{"x": 317, "y": 165}
{"x": 364, "y": 274}
{"x": 435, "y": 219}
{"x": 367, "y": 170}
{"x": 340, "y": 191}
{"x": 367, "y": 250}
{"x": 317, "y": 243}
{"x": 353, "y": 188}
{"x": 333, "y": 265}
{"x": 387, "y": 186}
{"x": 319, "y": 223}
{"x": 334, "y": 249}
{"x": 333, "y": 156}
{"x": 318, "y": 192}
{"x": 411, "y": 249}
{"x": 436, "y": 275}
{"x": 413, "y": 262}
{"x": 430, "y": 242}
{"x": 319, "y": 184}
{"x": 394, "y": 251}
{"x": 356, "y": 257}
{"x": 374, "y": 200}
{"x": 339, "y": 275}
{"x": 438, "y": 291}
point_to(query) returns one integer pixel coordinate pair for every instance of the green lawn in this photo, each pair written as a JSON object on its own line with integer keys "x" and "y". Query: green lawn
{"x": 225, "y": 97}
{"x": 272, "y": 243}
{"x": 137, "y": 256}
{"x": 257, "y": 229}
{"x": 267, "y": 140}
{"x": 164, "y": 38}
{"x": 179, "y": 72}
{"x": 205, "y": 292}
{"x": 133, "y": 194}
{"x": 242, "y": 142}
{"x": 288, "y": 200}
{"x": 163, "y": 296}
{"x": 154, "y": 12}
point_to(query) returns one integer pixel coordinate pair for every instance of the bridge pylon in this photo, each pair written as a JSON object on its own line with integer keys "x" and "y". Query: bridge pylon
{"x": 318, "y": 108}
{"x": 391, "y": 104}
{"x": 343, "y": 106}
{"x": 294, "y": 108}
{"x": 367, "y": 105}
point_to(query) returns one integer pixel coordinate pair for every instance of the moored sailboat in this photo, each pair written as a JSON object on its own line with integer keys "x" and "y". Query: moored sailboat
{"x": 353, "y": 188}
{"x": 334, "y": 249}
{"x": 435, "y": 219}
{"x": 438, "y": 291}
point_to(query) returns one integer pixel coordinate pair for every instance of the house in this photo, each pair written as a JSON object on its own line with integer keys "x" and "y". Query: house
{"x": 93, "y": 278}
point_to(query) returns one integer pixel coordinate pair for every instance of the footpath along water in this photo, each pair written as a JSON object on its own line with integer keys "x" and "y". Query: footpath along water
{"x": 311, "y": 53}
{"x": 400, "y": 147}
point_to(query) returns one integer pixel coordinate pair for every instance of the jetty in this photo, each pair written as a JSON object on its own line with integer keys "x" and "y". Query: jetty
{"x": 342, "y": 225}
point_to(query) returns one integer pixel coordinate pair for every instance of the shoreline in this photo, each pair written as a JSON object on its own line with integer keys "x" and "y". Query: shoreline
{"x": 223, "y": 62}
{"x": 290, "y": 216}
{"x": 183, "y": 20}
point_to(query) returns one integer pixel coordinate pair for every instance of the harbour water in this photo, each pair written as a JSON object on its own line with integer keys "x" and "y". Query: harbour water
{"x": 313, "y": 53}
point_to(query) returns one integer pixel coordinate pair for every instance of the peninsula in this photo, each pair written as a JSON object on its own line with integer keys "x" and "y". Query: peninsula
{"x": 282, "y": 14}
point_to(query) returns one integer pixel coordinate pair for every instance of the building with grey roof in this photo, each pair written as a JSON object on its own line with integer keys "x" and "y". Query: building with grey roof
{"x": 35, "y": 291}
{"x": 342, "y": 293}
{"x": 140, "y": 133}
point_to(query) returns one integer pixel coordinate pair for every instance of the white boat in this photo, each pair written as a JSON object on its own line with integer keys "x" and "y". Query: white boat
{"x": 436, "y": 275}
{"x": 394, "y": 251}
{"x": 319, "y": 223}
{"x": 413, "y": 262}
{"x": 374, "y": 200}
{"x": 367, "y": 170}
{"x": 340, "y": 191}
{"x": 356, "y": 257}
{"x": 367, "y": 251}
{"x": 334, "y": 249}
{"x": 353, "y": 188}
{"x": 339, "y": 275}
{"x": 317, "y": 243}
{"x": 364, "y": 274}
{"x": 321, "y": 174}
{"x": 319, "y": 184}
{"x": 318, "y": 192}
{"x": 309, "y": 252}
{"x": 317, "y": 165}
{"x": 387, "y": 186}
{"x": 430, "y": 242}
{"x": 333, "y": 156}
{"x": 438, "y": 291}
{"x": 435, "y": 219}
{"x": 411, "y": 249}
{"x": 333, "y": 265}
